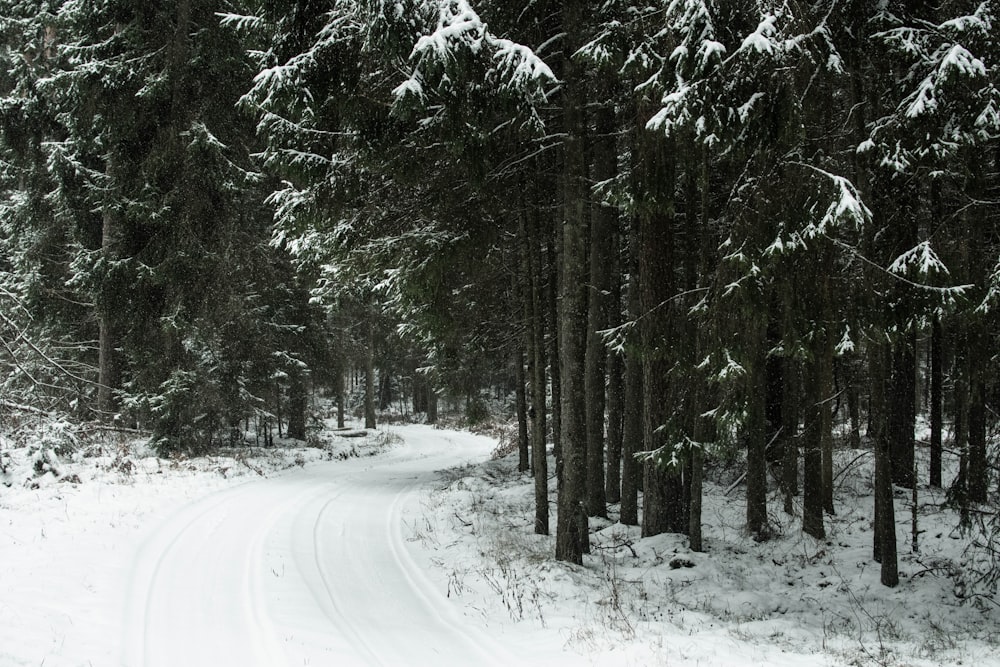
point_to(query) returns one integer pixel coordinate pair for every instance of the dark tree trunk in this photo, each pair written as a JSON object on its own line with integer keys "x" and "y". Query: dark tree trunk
{"x": 937, "y": 397}
{"x": 521, "y": 398}
{"x": 694, "y": 516}
{"x": 790, "y": 431}
{"x": 298, "y": 404}
{"x": 572, "y": 536}
{"x": 616, "y": 394}
{"x": 979, "y": 349}
{"x": 901, "y": 411}
{"x": 978, "y": 465}
{"x": 536, "y": 351}
{"x": 602, "y": 229}
{"x": 341, "y": 422}
{"x": 852, "y": 388}
{"x": 756, "y": 437}
{"x": 664, "y": 504}
{"x": 632, "y": 414}
{"x": 959, "y": 491}
{"x": 108, "y": 363}
{"x": 554, "y": 327}
{"x": 370, "y": 378}
{"x": 432, "y": 405}
{"x": 774, "y": 395}
{"x": 826, "y": 396}
{"x": 885, "y": 517}
{"x": 523, "y": 302}
{"x": 812, "y": 455}
{"x": 419, "y": 394}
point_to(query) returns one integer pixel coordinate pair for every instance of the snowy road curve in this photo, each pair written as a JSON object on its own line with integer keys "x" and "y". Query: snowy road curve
{"x": 311, "y": 568}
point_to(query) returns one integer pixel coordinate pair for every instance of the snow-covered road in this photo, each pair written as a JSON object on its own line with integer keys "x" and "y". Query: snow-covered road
{"x": 310, "y": 568}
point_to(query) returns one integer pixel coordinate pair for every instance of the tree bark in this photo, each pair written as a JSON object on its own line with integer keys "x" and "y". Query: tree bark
{"x": 852, "y": 387}
{"x": 756, "y": 437}
{"x": 937, "y": 396}
{"x": 826, "y": 394}
{"x": 812, "y": 455}
{"x": 616, "y": 392}
{"x": 978, "y": 465}
{"x": 632, "y": 417}
{"x": 108, "y": 363}
{"x": 885, "y": 516}
{"x": 370, "y": 377}
{"x": 521, "y": 398}
{"x": 554, "y": 327}
{"x": 901, "y": 411}
{"x": 572, "y": 536}
{"x": 432, "y": 405}
{"x": 602, "y": 228}
{"x": 663, "y": 489}
{"x": 536, "y": 347}
{"x": 298, "y": 404}
{"x": 790, "y": 431}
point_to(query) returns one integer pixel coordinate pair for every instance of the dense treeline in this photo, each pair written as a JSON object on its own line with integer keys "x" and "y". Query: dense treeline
{"x": 681, "y": 230}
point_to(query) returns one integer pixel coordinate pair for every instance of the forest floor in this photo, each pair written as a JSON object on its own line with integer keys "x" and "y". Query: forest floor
{"x": 414, "y": 546}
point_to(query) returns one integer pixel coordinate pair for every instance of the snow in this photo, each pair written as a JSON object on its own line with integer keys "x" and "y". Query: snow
{"x": 409, "y": 88}
{"x": 457, "y": 23}
{"x": 414, "y": 546}
{"x": 709, "y": 52}
{"x": 920, "y": 259}
{"x": 760, "y": 40}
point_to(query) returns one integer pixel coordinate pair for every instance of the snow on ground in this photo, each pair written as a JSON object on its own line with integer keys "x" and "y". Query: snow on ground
{"x": 792, "y": 600}
{"x": 423, "y": 553}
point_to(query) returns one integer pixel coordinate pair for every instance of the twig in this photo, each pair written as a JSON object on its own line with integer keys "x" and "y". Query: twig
{"x": 848, "y": 466}
{"x": 243, "y": 459}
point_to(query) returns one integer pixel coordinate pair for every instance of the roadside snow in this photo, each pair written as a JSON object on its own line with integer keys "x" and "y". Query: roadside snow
{"x": 791, "y": 601}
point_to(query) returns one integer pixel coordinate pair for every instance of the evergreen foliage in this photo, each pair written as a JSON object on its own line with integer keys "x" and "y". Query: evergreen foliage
{"x": 209, "y": 209}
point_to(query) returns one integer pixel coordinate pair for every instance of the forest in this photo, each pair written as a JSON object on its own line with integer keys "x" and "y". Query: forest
{"x": 671, "y": 233}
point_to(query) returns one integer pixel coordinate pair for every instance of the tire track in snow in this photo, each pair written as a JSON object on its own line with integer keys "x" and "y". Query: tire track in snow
{"x": 308, "y": 568}
{"x": 200, "y": 602}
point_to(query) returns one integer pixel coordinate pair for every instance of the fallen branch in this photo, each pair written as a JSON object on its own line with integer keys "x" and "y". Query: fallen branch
{"x": 351, "y": 433}
{"x": 25, "y": 408}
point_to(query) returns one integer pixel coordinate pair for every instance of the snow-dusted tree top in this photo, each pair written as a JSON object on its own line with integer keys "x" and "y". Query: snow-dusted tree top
{"x": 953, "y": 99}
{"x": 461, "y": 35}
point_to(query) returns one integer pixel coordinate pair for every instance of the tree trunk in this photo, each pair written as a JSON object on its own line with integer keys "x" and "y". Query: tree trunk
{"x": 852, "y": 387}
{"x": 901, "y": 412}
{"x": 663, "y": 490}
{"x": 756, "y": 437}
{"x": 370, "y": 378}
{"x": 523, "y": 451}
{"x": 790, "y": 430}
{"x": 632, "y": 411}
{"x": 298, "y": 404}
{"x": 978, "y": 466}
{"x": 385, "y": 387}
{"x": 521, "y": 282}
{"x": 536, "y": 350}
{"x": 694, "y": 516}
{"x": 554, "y": 328}
{"x": 572, "y": 536}
{"x": 937, "y": 397}
{"x": 602, "y": 229}
{"x": 108, "y": 364}
{"x": 826, "y": 394}
{"x": 616, "y": 394}
{"x": 812, "y": 455}
{"x": 885, "y": 516}
{"x": 432, "y": 405}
